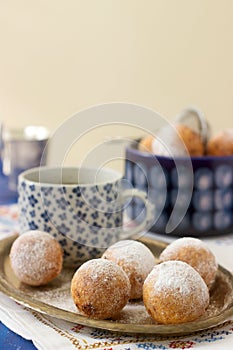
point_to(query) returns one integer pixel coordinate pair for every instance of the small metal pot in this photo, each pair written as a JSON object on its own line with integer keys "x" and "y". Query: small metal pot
{"x": 20, "y": 149}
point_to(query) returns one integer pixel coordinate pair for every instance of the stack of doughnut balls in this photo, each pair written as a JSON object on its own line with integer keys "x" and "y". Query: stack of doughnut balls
{"x": 174, "y": 290}
{"x": 220, "y": 144}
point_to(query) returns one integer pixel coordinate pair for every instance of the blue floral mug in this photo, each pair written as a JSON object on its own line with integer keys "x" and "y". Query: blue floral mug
{"x": 81, "y": 207}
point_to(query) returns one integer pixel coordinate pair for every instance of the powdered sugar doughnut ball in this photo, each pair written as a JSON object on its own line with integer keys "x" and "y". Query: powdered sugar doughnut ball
{"x": 145, "y": 144}
{"x": 221, "y": 144}
{"x": 36, "y": 258}
{"x": 192, "y": 140}
{"x": 135, "y": 259}
{"x": 178, "y": 140}
{"x": 194, "y": 252}
{"x": 100, "y": 289}
{"x": 175, "y": 293}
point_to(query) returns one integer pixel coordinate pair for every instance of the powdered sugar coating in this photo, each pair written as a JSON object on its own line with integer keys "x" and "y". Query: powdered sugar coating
{"x": 135, "y": 259}
{"x": 194, "y": 252}
{"x": 100, "y": 289}
{"x": 175, "y": 293}
{"x": 178, "y": 140}
{"x": 57, "y": 293}
{"x": 36, "y": 258}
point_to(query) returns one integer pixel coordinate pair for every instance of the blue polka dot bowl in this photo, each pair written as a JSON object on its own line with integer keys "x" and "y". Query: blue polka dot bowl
{"x": 193, "y": 196}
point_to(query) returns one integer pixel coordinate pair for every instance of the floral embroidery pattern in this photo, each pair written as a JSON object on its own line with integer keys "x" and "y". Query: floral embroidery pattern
{"x": 181, "y": 344}
{"x": 77, "y": 328}
{"x": 150, "y": 346}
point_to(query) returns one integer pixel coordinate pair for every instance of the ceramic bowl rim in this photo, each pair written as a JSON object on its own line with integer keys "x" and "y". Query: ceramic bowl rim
{"x": 131, "y": 148}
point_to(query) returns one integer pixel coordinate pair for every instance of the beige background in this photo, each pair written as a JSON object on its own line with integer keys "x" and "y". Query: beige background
{"x": 60, "y": 56}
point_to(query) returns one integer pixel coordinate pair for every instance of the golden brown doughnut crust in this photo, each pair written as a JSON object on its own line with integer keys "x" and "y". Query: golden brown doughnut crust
{"x": 221, "y": 144}
{"x": 175, "y": 293}
{"x": 100, "y": 289}
{"x": 36, "y": 258}
{"x": 191, "y": 139}
{"x": 145, "y": 144}
{"x": 194, "y": 252}
{"x": 135, "y": 259}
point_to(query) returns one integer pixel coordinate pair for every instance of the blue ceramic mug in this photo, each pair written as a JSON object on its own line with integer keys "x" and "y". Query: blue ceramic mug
{"x": 81, "y": 207}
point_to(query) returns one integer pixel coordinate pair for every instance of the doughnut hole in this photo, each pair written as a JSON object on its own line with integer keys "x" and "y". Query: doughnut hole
{"x": 100, "y": 289}
{"x": 175, "y": 293}
{"x": 135, "y": 259}
{"x": 36, "y": 258}
{"x": 194, "y": 252}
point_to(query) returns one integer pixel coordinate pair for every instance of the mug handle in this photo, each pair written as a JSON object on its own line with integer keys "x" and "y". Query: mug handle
{"x": 149, "y": 207}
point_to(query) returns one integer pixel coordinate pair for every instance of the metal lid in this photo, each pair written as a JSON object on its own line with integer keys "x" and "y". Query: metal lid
{"x": 194, "y": 118}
